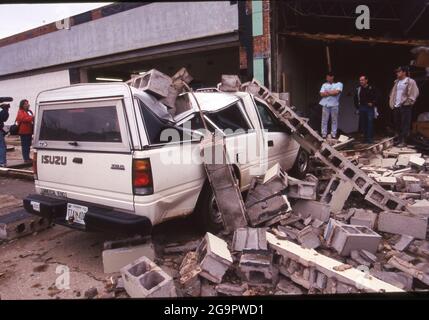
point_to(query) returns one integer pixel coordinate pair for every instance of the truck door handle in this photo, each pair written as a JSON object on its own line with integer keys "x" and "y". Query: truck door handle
{"x": 270, "y": 143}
{"x": 74, "y": 144}
{"x": 78, "y": 160}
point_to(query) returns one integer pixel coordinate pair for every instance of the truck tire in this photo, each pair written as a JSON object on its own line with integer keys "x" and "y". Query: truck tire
{"x": 300, "y": 167}
{"x": 206, "y": 214}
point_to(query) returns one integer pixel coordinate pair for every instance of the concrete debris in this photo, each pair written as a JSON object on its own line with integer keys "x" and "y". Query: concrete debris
{"x": 420, "y": 207}
{"x": 267, "y": 209}
{"x": 20, "y": 223}
{"x": 250, "y": 240}
{"x": 91, "y": 293}
{"x": 362, "y": 217}
{"x": 288, "y": 287}
{"x": 416, "y": 161}
{"x": 403, "y": 243}
{"x": 301, "y": 266}
{"x": 315, "y": 209}
{"x": 256, "y": 268}
{"x": 179, "y": 248}
{"x": 302, "y": 189}
{"x": 403, "y": 223}
{"x": 214, "y": 258}
{"x": 116, "y": 258}
{"x": 309, "y": 237}
{"x": 229, "y": 289}
{"x": 410, "y": 269}
{"x": 230, "y": 83}
{"x": 397, "y": 279}
{"x": 336, "y": 193}
{"x": 189, "y": 275}
{"x": 144, "y": 279}
{"x": 346, "y": 238}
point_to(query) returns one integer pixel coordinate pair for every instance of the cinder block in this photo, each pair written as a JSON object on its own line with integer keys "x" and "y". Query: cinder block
{"x": 21, "y": 223}
{"x": 398, "y": 279}
{"x": 250, "y": 240}
{"x": 416, "y": 161}
{"x": 364, "y": 218}
{"x": 315, "y": 209}
{"x": 336, "y": 193}
{"x": 309, "y": 237}
{"x": 301, "y": 189}
{"x": 420, "y": 207}
{"x": 154, "y": 82}
{"x": 115, "y": 259}
{"x": 230, "y": 83}
{"x": 403, "y": 242}
{"x": 189, "y": 275}
{"x": 256, "y": 269}
{"x": 403, "y": 223}
{"x": 214, "y": 258}
{"x": 144, "y": 279}
{"x": 346, "y": 238}
{"x": 386, "y": 181}
{"x": 267, "y": 209}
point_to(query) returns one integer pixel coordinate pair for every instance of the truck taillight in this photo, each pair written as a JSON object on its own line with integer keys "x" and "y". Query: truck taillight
{"x": 142, "y": 177}
{"x": 35, "y": 165}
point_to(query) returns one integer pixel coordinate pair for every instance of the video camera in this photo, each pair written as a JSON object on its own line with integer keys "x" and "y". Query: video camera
{"x": 5, "y": 105}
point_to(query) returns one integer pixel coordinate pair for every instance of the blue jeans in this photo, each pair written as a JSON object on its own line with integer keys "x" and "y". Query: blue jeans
{"x": 366, "y": 119}
{"x": 25, "y": 146}
{"x": 2, "y": 149}
{"x": 333, "y": 113}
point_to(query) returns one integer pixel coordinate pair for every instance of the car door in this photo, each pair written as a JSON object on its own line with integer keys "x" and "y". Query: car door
{"x": 280, "y": 146}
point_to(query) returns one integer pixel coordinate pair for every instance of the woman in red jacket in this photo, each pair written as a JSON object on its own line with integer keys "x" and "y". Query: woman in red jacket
{"x": 25, "y": 121}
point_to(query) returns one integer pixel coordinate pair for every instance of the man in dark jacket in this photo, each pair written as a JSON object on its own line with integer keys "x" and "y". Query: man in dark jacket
{"x": 4, "y": 115}
{"x": 365, "y": 101}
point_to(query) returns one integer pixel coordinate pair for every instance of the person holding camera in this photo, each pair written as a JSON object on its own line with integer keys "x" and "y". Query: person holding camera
{"x": 4, "y": 115}
{"x": 25, "y": 119}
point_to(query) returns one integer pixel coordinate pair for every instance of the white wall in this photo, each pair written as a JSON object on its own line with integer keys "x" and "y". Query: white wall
{"x": 29, "y": 87}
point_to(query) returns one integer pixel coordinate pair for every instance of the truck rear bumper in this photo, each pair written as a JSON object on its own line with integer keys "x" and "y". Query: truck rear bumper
{"x": 103, "y": 219}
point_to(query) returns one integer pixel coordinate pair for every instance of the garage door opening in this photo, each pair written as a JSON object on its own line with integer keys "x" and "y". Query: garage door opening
{"x": 303, "y": 64}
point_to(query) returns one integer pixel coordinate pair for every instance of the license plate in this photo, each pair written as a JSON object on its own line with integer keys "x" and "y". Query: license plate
{"x": 76, "y": 213}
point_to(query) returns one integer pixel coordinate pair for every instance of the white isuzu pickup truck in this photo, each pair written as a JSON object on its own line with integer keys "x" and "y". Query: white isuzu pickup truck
{"x": 102, "y": 161}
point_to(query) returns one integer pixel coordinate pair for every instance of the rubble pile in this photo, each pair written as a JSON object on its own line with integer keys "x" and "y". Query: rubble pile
{"x": 356, "y": 223}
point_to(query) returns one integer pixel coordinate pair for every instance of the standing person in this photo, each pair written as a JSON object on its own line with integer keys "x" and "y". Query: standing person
{"x": 402, "y": 97}
{"x": 25, "y": 120}
{"x": 365, "y": 101}
{"x": 4, "y": 115}
{"x": 330, "y": 93}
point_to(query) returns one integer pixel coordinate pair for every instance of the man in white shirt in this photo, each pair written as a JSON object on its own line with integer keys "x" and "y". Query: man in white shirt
{"x": 402, "y": 97}
{"x": 330, "y": 93}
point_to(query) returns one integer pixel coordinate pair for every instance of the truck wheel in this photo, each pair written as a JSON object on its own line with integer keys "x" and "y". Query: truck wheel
{"x": 207, "y": 214}
{"x": 300, "y": 167}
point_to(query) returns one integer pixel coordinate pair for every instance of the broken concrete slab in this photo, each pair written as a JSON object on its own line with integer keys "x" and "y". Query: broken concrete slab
{"x": 315, "y": 209}
{"x": 143, "y": 279}
{"x": 214, "y": 258}
{"x": 403, "y": 243}
{"x": 362, "y": 217}
{"x": 20, "y": 223}
{"x": 346, "y": 238}
{"x": 397, "y": 279}
{"x": 189, "y": 271}
{"x": 115, "y": 259}
{"x": 309, "y": 258}
{"x": 250, "y": 240}
{"x": 403, "y": 223}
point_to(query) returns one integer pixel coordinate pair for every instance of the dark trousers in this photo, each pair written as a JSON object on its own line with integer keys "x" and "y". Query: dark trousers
{"x": 366, "y": 122}
{"x": 402, "y": 121}
{"x": 25, "y": 146}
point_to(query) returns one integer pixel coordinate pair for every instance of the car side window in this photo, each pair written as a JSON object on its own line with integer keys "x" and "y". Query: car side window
{"x": 229, "y": 118}
{"x": 269, "y": 122}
